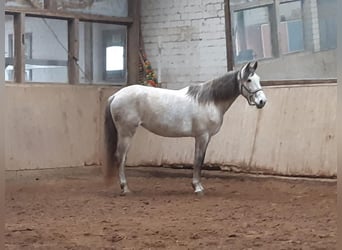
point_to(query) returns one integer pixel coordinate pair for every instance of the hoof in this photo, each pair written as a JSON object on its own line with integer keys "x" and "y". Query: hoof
{"x": 199, "y": 190}
{"x": 126, "y": 192}
{"x": 200, "y": 193}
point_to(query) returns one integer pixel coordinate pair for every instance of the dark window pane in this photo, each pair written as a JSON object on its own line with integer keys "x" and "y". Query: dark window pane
{"x": 252, "y": 34}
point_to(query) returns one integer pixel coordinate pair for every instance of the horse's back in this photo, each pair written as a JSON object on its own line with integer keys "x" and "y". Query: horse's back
{"x": 143, "y": 97}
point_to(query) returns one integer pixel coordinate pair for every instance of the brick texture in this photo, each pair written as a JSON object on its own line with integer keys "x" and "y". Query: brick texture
{"x": 184, "y": 40}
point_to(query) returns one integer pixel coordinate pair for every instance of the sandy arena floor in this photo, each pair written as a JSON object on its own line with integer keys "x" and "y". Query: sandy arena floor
{"x": 237, "y": 212}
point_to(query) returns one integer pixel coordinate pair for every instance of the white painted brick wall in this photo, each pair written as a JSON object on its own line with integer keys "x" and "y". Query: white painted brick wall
{"x": 184, "y": 40}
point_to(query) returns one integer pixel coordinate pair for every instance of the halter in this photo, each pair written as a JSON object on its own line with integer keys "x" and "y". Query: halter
{"x": 250, "y": 93}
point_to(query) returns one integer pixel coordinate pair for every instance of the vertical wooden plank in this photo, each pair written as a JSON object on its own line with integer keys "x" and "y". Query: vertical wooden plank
{"x": 88, "y": 52}
{"x": 229, "y": 41}
{"x": 275, "y": 23}
{"x": 2, "y": 123}
{"x": 133, "y": 42}
{"x": 19, "y": 49}
{"x": 73, "y": 47}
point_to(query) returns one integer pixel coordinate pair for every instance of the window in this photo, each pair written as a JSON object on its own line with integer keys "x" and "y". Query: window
{"x": 296, "y": 39}
{"x": 81, "y": 42}
{"x": 291, "y": 27}
{"x": 114, "y": 44}
{"x": 48, "y": 50}
{"x": 252, "y": 34}
{"x": 102, "y": 53}
{"x": 114, "y": 58}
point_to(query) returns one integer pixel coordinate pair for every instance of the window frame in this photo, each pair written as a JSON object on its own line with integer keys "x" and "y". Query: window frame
{"x": 132, "y": 22}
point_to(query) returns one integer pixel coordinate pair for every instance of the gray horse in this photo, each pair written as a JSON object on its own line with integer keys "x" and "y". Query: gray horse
{"x": 194, "y": 111}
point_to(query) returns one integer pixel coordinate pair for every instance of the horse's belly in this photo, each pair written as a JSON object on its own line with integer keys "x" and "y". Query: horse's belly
{"x": 180, "y": 122}
{"x": 169, "y": 126}
{"x": 169, "y": 132}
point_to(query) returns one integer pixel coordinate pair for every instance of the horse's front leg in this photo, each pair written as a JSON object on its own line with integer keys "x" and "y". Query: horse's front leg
{"x": 201, "y": 144}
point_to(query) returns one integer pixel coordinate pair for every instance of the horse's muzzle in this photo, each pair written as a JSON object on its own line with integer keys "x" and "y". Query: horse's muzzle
{"x": 261, "y": 104}
{"x": 260, "y": 99}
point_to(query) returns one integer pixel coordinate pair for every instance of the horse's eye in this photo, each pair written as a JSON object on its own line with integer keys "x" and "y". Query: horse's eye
{"x": 249, "y": 80}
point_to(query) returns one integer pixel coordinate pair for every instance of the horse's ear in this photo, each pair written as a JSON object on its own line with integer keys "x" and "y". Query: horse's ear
{"x": 255, "y": 65}
{"x": 246, "y": 71}
{"x": 247, "y": 66}
{"x": 252, "y": 67}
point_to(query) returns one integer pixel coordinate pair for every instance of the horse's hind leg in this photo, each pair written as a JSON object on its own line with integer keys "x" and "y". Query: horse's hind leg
{"x": 122, "y": 149}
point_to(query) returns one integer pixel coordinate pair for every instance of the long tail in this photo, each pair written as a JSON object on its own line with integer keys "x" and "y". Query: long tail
{"x": 111, "y": 138}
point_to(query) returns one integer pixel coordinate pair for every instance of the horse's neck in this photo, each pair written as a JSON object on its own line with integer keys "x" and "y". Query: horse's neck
{"x": 230, "y": 92}
{"x": 227, "y": 89}
{"x": 224, "y": 105}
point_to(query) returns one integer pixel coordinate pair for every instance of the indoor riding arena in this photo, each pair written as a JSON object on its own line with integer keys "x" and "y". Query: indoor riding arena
{"x": 263, "y": 134}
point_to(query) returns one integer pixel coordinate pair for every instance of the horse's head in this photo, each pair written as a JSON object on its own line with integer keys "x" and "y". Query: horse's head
{"x": 249, "y": 85}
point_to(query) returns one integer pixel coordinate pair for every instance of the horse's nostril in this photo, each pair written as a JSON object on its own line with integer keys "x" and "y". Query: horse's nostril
{"x": 261, "y": 104}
